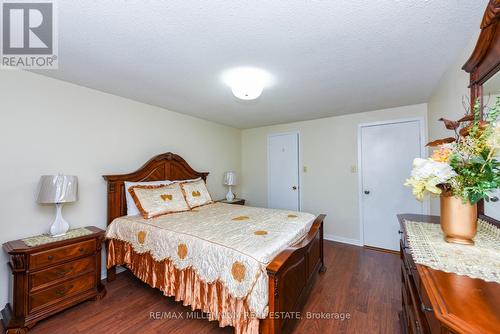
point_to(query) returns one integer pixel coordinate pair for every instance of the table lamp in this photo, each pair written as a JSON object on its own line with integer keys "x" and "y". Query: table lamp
{"x": 58, "y": 189}
{"x": 230, "y": 180}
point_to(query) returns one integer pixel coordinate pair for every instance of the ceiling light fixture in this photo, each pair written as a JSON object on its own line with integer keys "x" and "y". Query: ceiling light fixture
{"x": 247, "y": 83}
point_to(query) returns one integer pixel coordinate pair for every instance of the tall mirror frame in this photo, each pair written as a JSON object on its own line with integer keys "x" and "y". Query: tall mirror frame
{"x": 483, "y": 64}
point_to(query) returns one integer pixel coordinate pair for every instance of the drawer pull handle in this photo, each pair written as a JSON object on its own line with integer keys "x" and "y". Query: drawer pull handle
{"x": 82, "y": 250}
{"x": 50, "y": 257}
{"x": 417, "y": 325}
{"x": 400, "y": 232}
{"x": 62, "y": 272}
{"x": 62, "y": 292}
{"x": 425, "y": 308}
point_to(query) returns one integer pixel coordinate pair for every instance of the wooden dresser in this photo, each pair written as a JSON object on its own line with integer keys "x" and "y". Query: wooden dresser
{"x": 52, "y": 277}
{"x": 439, "y": 302}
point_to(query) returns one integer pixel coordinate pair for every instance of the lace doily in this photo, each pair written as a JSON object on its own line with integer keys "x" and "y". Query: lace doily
{"x": 482, "y": 260}
{"x": 47, "y": 239}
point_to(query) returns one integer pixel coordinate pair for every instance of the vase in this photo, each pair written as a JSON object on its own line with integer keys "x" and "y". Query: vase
{"x": 458, "y": 220}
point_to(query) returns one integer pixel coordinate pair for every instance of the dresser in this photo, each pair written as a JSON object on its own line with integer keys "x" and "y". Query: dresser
{"x": 51, "y": 277}
{"x": 438, "y": 302}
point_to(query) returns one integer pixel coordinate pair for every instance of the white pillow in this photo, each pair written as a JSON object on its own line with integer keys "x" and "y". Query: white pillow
{"x": 196, "y": 193}
{"x": 154, "y": 201}
{"x": 131, "y": 207}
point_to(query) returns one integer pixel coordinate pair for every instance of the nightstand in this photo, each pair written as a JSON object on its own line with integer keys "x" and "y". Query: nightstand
{"x": 238, "y": 201}
{"x": 51, "y": 277}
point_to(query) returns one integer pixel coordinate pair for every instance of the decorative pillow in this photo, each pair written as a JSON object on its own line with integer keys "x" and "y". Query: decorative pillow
{"x": 131, "y": 207}
{"x": 153, "y": 201}
{"x": 196, "y": 193}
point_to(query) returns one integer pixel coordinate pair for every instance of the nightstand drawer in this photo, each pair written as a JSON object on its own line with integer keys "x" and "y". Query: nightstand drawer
{"x": 60, "y": 291}
{"x": 50, "y": 257}
{"x": 51, "y": 277}
{"x": 44, "y": 277}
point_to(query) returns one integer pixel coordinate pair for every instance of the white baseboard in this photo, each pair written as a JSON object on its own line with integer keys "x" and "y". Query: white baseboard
{"x": 343, "y": 240}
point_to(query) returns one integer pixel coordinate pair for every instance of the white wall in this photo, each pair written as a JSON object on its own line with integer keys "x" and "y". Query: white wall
{"x": 50, "y": 126}
{"x": 446, "y": 100}
{"x": 328, "y": 148}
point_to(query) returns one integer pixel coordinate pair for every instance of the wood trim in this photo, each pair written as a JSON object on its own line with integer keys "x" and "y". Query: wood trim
{"x": 439, "y": 304}
{"x": 485, "y": 59}
{"x": 491, "y": 14}
{"x": 486, "y": 37}
{"x": 291, "y": 276}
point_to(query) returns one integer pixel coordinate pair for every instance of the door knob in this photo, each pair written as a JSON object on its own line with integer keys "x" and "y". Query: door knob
{"x": 367, "y": 192}
{"x": 294, "y": 187}
{"x": 494, "y": 199}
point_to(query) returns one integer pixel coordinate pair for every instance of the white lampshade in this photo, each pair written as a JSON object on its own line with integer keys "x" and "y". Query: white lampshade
{"x": 57, "y": 189}
{"x": 230, "y": 178}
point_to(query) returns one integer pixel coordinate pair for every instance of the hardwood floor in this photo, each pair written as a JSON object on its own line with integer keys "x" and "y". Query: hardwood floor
{"x": 363, "y": 283}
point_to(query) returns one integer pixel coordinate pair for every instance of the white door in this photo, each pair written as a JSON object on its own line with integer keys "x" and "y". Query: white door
{"x": 283, "y": 171}
{"x": 387, "y": 153}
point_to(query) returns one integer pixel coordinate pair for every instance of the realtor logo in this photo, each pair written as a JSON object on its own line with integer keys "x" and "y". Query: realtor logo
{"x": 29, "y": 35}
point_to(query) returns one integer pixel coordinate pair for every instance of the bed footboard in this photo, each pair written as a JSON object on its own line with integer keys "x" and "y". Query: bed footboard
{"x": 111, "y": 270}
{"x": 291, "y": 276}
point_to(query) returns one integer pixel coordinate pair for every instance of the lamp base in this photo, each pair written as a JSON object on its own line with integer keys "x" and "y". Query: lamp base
{"x": 60, "y": 226}
{"x": 230, "y": 195}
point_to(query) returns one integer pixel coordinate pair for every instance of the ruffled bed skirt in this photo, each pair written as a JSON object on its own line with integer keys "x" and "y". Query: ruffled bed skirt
{"x": 211, "y": 298}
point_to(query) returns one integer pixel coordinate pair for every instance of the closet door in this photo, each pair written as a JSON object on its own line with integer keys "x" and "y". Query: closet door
{"x": 387, "y": 153}
{"x": 283, "y": 171}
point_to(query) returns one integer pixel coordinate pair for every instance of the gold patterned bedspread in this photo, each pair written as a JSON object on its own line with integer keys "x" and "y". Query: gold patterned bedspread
{"x": 225, "y": 242}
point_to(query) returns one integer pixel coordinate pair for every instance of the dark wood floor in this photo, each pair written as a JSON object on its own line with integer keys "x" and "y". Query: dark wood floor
{"x": 361, "y": 282}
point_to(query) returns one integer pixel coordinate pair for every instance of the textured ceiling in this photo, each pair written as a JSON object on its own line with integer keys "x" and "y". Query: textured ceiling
{"x": 328, "y": 57}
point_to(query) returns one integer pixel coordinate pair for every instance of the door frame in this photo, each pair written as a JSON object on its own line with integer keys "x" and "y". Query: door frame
{"x": 299, "y": 163}
{"x": 423, "y": 153}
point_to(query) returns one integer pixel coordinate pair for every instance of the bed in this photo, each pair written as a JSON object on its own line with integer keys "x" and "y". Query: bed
{"x": 243, "y": 266}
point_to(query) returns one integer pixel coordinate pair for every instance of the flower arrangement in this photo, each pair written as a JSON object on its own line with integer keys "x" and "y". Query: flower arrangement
{"x": 463, "y": 165}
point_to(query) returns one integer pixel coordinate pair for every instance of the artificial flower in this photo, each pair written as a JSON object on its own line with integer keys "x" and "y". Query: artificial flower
{"x": 427, "y": 174}
{"x": 442, "y": 154}
{"x": 466, "y": 166}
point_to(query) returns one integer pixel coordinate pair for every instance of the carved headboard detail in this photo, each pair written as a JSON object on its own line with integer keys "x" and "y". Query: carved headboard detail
{"x": 167, "y": 166}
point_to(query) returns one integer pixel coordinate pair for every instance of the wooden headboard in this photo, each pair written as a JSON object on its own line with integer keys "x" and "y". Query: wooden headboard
{"x": 167, "y": 166}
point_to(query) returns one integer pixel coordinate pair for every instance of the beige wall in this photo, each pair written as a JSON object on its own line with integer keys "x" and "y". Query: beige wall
{"x": 50, "y": 126}
{"x": 328, "y": 148}
{"x": 446, "y": 100}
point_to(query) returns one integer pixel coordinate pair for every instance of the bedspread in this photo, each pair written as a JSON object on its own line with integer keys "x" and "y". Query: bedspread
{"x": 225, "y": 243}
